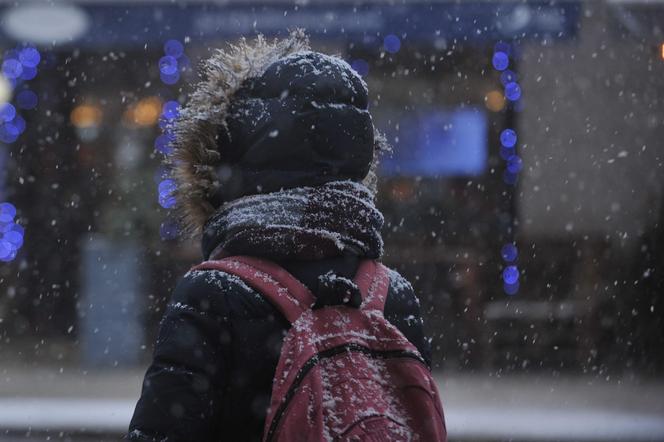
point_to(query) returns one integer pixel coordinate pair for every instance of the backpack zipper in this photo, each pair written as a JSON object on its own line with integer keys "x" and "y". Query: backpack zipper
{"x": 311, "y": 362}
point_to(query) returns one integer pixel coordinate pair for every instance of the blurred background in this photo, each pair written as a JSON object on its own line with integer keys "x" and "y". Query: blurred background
{"x": 524, "y": 198}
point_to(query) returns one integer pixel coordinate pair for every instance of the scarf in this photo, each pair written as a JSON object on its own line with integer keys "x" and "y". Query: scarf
{"x": 303, "y": 223}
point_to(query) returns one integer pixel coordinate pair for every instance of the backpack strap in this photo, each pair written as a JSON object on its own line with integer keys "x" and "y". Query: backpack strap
{"x": 373, "y": 279}
{"x": 283, "y": 290}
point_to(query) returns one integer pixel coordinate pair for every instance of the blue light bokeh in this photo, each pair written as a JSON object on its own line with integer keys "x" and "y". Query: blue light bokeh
{"x": 19, "y": 123}
{"x": 29, "y": 57}
{"x": 501, "y": 46}
{"x": 514, "y": 164}
{"x": 28, "y": 73}
{"x": 173, "y": 48}
{"x": 500, "y": 61}
{"x": 7, "y": 212}
{"x": 11, "y": 234}
{"x": 27, "y": 99}
{"x": 510, "y": 274}
{"x": 163, "y": 144}
{"x": 169, "y": 79}
{"x": 12, "y": 68}
{"x": 8, "y": 132}
{"x": 171, "y": 110}
{"x": 361, "y": 67}
{"x": 511, "y": 289}
{"x": 513, "y": 91}
{"x": 509, "y": 252}
{"x": 508, "y": 76}
{"x": 7, "y": 112}
{"x": 166, "y": 189}
{"x": 392, "y": 43}
{"x": 507, "y": 152}
{"x": 168, "y": 65}
{"x": 508, "y": 138}
{"x": 510, "y": 178}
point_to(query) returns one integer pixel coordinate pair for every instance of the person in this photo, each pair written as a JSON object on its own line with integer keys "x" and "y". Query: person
{"x": 275, "y": 157}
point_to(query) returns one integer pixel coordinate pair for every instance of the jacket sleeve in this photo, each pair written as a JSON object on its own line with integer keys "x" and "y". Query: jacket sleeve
{"x": 183, "y": 387}
{"x": 402, "y": 309}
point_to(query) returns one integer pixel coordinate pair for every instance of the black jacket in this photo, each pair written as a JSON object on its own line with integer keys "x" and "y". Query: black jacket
{"x": 218, "y": 348}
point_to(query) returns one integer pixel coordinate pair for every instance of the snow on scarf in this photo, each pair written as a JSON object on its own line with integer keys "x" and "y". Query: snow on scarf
{"x": 301, "y": 223}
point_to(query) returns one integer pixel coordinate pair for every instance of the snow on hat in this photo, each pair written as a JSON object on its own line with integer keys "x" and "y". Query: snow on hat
{"x": 236, "y": 124}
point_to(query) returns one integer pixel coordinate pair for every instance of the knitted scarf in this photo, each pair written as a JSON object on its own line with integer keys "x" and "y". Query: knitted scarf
{"x": 304, "y": 223}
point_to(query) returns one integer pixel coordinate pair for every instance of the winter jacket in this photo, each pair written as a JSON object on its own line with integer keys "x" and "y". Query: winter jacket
{"x": 218, "y": 348}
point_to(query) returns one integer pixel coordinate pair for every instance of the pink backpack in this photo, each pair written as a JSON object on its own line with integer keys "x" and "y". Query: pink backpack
{"x": 345, "y": 374}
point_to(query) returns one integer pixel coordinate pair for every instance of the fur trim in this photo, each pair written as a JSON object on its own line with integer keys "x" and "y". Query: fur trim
{"x": 196, "y": 151}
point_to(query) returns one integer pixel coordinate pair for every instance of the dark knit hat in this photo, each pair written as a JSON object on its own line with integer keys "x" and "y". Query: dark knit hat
{"x": 270, "y": 116}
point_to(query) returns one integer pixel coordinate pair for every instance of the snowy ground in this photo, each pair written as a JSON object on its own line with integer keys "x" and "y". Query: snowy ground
{"x": 87, "y": 406}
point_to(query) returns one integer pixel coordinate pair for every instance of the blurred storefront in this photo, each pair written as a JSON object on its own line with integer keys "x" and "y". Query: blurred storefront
{"x": 583, "y": 205}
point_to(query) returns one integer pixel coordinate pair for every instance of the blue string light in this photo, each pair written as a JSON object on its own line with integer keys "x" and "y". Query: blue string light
{"x": 18, "y": 65}
{"x": 27, "y": 99}
{"x": 514, "y": 164}
{"x": 510, "y": 274}
{"x": 171, "y": 110}
{"x": 11, "y": 234}
{"x": 169, "y": 79}
{"x": 19, "y": 123}
{"x": 173, "y": 48}
{"x": 7, "y": 112}
{"x": 500, "y": 61}
{"x": 171, "y": 65}
{"x": 513, "y": 91}
{"x": 163, "y": 144}
{"x": 511, "y": 289}
{"x": 29, "y": 57}
{"x": 168, "y": 65}
{"x": 502, "y": 46}
{"x": 392, "y": 43}
{"x": 510, "y": 178}
{"x": 509, "y": 252}
{"x": 361, "y": 67}
{"x": 508, "y": 76}
{"x": 12, "y": 68}
{"x": 507, "y": 152}
{"x": 166, "y": 189}
{"x": 508, "y": 138}
{"x": 8, "y": 133}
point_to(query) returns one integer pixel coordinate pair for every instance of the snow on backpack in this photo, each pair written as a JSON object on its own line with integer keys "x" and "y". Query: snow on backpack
{"x": 345, "y": 373}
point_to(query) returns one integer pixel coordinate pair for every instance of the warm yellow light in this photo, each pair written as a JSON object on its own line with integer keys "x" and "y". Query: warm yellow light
{"x": 662, "y": 51}
{"x": 144, "y": 113}
{"x": 86, "y": 115}
{"x": 494, "y": 101}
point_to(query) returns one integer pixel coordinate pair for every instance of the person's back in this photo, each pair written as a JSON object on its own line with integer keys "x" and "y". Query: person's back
{"x": 274, "y": 158}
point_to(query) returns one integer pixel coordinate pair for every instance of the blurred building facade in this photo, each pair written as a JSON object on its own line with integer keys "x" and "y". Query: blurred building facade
{"x": 585, "y": 213}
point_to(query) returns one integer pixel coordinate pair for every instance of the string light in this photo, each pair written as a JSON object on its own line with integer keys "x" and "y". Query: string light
{"x": 513, "y": 163}
{"x": 509, "y": 252}
{"x": 166, "y": 189}
{"x": 513, "y": 91}
{"x": 500, "y": 61}
{"x": 27, "y": 99}
{"x": 508, "y": 138}
{"x": 18, "y": 65}
{"x": 392, "y": 43}
{"x": 360, "y": 66}
{"x": 510, "y": 274}
{"x": 11, "y": 233}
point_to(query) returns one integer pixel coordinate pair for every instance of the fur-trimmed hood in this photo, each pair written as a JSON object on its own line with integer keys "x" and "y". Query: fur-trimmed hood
{"x": 198, "y": 148}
